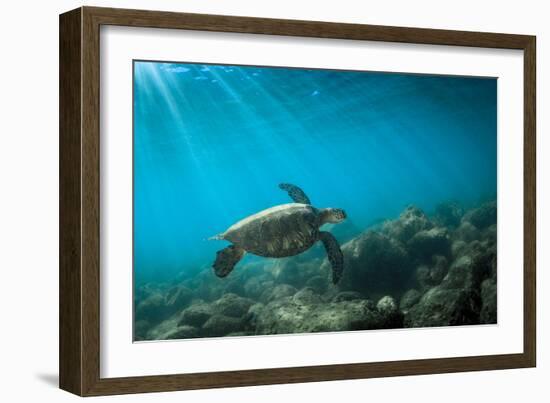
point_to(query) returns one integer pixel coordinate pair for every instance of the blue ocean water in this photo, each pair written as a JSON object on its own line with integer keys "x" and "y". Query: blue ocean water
{"x": 212, "y": 143}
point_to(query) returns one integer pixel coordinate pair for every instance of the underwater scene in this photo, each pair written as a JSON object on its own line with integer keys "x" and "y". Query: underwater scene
{"x": 272, "y": 200}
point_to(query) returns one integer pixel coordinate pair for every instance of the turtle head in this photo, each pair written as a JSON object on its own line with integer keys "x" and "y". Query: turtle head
{"x": 333, "y": 215}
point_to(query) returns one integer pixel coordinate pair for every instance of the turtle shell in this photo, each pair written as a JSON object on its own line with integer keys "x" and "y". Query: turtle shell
{"x": 279, "y": 231}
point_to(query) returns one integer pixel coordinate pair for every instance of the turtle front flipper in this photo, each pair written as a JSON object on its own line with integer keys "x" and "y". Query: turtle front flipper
{"x": 226, "y": 259}
{"x": 334, "y": 253}
{"x": 295, "y": 193}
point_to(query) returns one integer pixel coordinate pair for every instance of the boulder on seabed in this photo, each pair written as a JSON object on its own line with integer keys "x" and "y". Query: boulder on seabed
{"x": 483, "y": 216}
{"x": 448, "y": 214}
{"x": 409, "y": 299}
{"x": 427, "y": 243}
{"x": 391, "y": 316}
{"x": 288, "y": 316}
{"x": 232, "y": 305}
{"x": 375, "y": 263}
{"x": 411, "y": 221}
{"x": 443, "y": 307}
{"x": 488, "y": 314}
{"x": 196, "y": 315}
{"x": 221, "y": 325}
{"x": 182, "y": 332}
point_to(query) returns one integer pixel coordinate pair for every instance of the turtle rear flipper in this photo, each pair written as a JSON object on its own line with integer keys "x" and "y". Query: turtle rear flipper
{"x": 334, "y": 253}
{"x": 295, "y": 193}
{"x": 226, "y": 259}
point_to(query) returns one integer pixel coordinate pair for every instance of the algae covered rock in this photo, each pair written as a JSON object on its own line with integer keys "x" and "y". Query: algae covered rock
{"x": 251, "y": 318}
{"x": 386, "y": 304}
{"x": 467, "y": 232}
{"x": 298, "y": 270}
{"x": 409, "y": 299}
{"x": 307, "y": 296}
{"x": 448, "y": 214}
{"x": 477, "y": 263}
{"x": 182, "y": 332}
{"x": 391, "y": 316}
{"x": 161, "y": 330}
{"x": 458, "y": 248}
{"x": 282, "y": 317}
{"x": 375, "y": 263}
{"x": 347, "y": 296}
{"x": 460, "y": 274}
{"x": 443, "y": 307}
{"x": 141, "y": 327}
{"x": 221, "y": 325}
{"x": 426, "y": 243}
{"x": 488, "y": 314}
{"x": 410, "y": 222}
{"x": 152, "y": 309}
{"x": 232, "y": 305}
{"x": 483, "y": 216}
{"x": 196, "y": 315}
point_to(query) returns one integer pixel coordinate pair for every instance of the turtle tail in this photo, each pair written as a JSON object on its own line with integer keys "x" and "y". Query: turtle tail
{"x": 218, "y": 237}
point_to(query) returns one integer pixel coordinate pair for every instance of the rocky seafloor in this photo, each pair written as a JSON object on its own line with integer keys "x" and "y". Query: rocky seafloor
{"x": 414, "y": 271}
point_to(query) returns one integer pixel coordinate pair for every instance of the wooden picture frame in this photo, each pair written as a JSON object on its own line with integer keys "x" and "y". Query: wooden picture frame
{"x": 79, "y": 346}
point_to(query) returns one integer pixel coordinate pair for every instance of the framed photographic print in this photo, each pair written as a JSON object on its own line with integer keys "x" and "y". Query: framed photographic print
{"x": 249, "y": 201}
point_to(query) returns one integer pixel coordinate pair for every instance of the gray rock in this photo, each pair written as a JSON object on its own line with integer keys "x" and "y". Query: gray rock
{"x": 443, "y": 307}
{"x": 153, "y": 309}
{"x": 251, "y": 318}
{"x": 386, "y": 305}
{"x": 347, "y": 296}
{"x": 307, "y": 296}
{"x": 460, "y": 274}
{"x": 448, "y": 214}
{"x": 282, "y": 317}
{"x": 196, "y": 314}
{"x": 141, "y": 327}
{"x": 182, "y": 332}
{"x": 411, "y": 221}
{"x": 483, "y": 216}
{"x": 297, "y": 270}
{"x": 423, "y": 277}
{"x": 409, "y": 299}
{"x": 232, "y": 305}
{"x": 429, "y": 276}
{"x": 391, "y": 316}
{"x": 144, "y": 291}
{"x": 491, "y": 234}
{"x": 220, "y": 325}
{"x": 164, "y": 328}
{"x": 375, "y": 263}
{"x": 439, "y": 269}
{"x": 426, "y": 243}
{"x": 488, "y": 314}
{"x": 467, "y": 232}
{"x": 458, "y": 248}
{"x": 477, "y": 263}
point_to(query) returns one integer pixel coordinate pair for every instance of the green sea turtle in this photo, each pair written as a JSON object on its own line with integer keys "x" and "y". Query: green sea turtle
{"x": 281, "y": 231}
